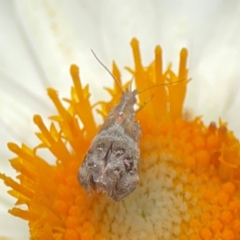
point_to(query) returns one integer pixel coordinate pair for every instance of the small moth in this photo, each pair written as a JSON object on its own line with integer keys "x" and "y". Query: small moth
{"x": 111, "y": 165}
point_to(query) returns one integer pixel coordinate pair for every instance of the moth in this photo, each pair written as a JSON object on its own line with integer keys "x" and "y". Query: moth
{"x": 111, "y": 165}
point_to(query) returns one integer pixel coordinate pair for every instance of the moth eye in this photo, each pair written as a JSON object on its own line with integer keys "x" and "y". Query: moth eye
{"x": 100, "y": 147}
{"x": 128, "y": 163}
{"x": 119, "y": 151}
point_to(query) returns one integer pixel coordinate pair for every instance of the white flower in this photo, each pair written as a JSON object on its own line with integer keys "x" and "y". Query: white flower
{"x": 40, "y": 39}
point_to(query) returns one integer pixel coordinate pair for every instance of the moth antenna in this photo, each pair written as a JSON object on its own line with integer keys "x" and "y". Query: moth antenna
{"x": 144, "y": 104}
{"x": 163, "y": 84}
{"x": 116, "y": 81}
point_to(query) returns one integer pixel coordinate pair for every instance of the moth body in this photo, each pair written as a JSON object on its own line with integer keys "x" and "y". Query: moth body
{"x": 111, "y": 165}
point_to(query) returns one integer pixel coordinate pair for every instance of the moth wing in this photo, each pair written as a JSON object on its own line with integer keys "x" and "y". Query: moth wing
{"x": 126, "y": 186}
{"x": 84, "y": 177}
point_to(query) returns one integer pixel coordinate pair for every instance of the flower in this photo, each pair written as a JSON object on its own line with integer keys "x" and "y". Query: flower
{"x": 189, "y": 186}
{"x": 41, "y": 39}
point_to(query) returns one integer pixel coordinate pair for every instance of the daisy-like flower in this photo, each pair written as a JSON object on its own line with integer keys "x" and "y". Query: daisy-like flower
{"x": 189, "y": 187}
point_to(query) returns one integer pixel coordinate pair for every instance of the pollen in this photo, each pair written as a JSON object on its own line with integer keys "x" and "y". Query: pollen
{"x": 189, "y": 171}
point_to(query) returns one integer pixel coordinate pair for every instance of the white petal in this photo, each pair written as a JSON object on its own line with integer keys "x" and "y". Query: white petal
{"x": 67, "y": 32}
{"x": 13, "y": 228}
